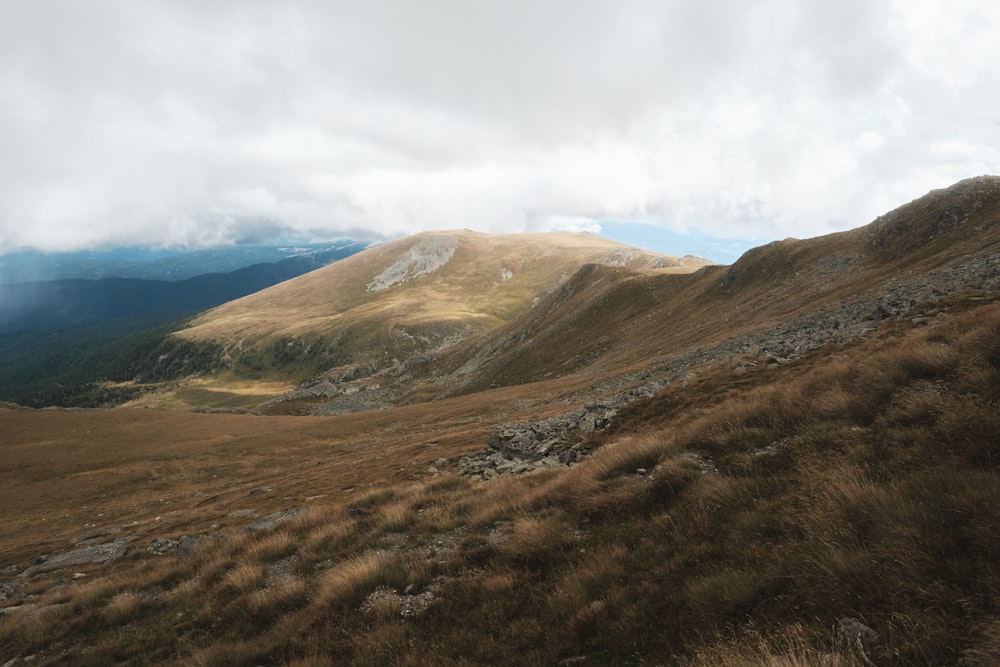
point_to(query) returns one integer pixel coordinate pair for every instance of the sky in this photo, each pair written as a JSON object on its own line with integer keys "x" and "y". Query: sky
{"x": 697, "y": 123}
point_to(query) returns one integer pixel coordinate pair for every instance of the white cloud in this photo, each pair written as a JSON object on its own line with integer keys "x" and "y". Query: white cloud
{"x": 562, "y": 223}
{"x": 194, "y": 123}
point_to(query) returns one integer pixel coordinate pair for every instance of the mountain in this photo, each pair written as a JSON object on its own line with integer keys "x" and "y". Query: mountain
{"x": 443, "y": 314}
{"x": 163, "y": 264}
{"x": 61, "y": 304}
{"x": 792, "y": 460}
{"x": 411, "y": 297}
{"x": 58, "y": 337}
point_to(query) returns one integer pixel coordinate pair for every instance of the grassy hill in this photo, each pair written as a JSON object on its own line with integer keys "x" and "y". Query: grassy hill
{"x": 393, "y": 303}
{"x": 790, "y": 461}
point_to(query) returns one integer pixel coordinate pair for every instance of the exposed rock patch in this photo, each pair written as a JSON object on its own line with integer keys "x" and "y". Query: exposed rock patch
{"x": 857, "y": 639}
{"x": 386, "y": 601}
{"x": 94, "y": 553}
{"x": 161, "y": 546}
{"x": 426, "y": 256}
{"x": 272, "y": 520}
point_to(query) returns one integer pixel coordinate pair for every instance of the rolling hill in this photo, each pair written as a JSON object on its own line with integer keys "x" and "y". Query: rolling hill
{"x": 396, "y": 303}
{"x": 787, "y": 461}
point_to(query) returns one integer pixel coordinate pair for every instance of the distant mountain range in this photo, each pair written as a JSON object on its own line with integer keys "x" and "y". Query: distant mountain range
{"x": 104, "y": 287}
{"x": 161, "y": 264}
{"x": 103, "y": 310}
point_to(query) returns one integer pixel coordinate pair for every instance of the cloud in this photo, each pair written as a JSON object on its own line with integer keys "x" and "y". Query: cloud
{"x": 187, "y": 123}
{"x": 558, "y": 223}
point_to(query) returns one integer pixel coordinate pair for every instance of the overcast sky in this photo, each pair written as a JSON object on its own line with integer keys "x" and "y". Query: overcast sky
{"x": 195, "y": 123}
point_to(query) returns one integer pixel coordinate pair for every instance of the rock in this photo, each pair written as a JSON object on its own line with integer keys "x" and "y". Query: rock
{"x": 187, "y": 546}
{"x": 10, "y": 611}
{"x": 857, "y": 638}
{"x": 160, "y": 546}
{"x": 271, "y": 520}
{"x": 96, "y": 553}
{"x": 13, "y": 590}
{"x": 408, "y": 605}
{"x": 93, "y": 535}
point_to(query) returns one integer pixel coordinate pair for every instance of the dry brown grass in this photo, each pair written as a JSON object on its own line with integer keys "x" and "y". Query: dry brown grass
{"x": 532, "y": 539}
{"x": 794, "y": 646}
{"x": 273, "y": 546}
{"x": 244, "y": 577}
{"x": 350, "y": 579}
{"x": 499, "y": 499}
{"x": 278, "y": 598}
{"x": 121, "y": 608}
{"x": 767, "y": 510}
{"x": 397, "y": 516}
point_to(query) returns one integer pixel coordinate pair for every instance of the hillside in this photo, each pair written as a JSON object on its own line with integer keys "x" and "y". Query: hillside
{"x": 788, "y": 461}
{"x": 622, "y": 327}
{"x": 59, "y": 339}
{"x": 395, "y": 302}
{"x": 67, "y": 303}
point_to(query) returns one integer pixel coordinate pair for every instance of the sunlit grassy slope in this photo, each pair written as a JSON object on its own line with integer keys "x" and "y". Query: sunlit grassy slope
{"x": 389, "y": 303}
{"x": 477, "y": 277}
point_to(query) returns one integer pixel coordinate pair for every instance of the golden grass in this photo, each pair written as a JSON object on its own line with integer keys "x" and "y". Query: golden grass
{"x": 346, "y": 580}
{"x": 244, "y": 577}
{"x": 121, "y": 608}
{"x": 499, "y": 499}
{"x": 532, "y": 539}
{"x": 397, "y": 516}
{"x": 273, "y": 546}
{"x": 793, "y": 646}
{"x": 278, "y": 598}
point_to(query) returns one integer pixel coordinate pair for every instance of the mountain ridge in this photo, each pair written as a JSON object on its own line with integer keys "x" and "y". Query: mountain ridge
{"x": 606, "y": 318}
{"x": 166, "y": 264}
